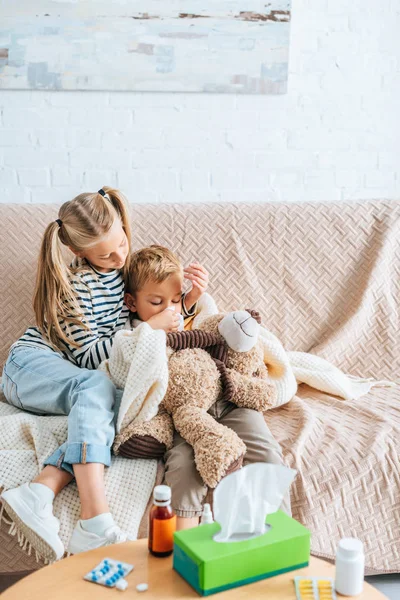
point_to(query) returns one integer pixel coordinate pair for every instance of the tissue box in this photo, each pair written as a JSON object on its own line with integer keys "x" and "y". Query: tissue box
{"x": 211, "y": 567}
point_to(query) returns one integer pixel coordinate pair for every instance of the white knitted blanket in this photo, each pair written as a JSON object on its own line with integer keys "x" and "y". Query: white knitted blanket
{"x": 138, "y": 365}
{"x": 26, "y": 440}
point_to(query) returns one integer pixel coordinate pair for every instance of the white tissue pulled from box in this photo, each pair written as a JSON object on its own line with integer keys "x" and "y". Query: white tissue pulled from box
{"x": 243, "y": 499}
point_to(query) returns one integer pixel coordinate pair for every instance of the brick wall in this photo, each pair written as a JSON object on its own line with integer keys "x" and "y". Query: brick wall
{"x": 335, "y": 135}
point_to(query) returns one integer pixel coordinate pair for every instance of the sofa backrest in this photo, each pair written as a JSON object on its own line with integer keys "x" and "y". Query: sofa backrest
{"x": 320, "y": 274}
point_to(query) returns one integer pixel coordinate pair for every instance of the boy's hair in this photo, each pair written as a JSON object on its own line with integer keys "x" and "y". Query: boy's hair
{"x": 82, "y": 223}
{"x": 154, "y": 263}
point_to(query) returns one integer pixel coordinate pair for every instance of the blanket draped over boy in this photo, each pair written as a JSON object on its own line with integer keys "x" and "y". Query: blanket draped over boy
{"x": 138, "y": 364}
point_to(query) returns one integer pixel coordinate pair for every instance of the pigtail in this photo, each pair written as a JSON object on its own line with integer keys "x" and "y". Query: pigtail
{"x": 119, "y": 203}
{"x": 53, "y": 296}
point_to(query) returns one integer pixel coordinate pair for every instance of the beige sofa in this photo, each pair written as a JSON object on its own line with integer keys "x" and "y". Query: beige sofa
{"x": 326, "y": 279}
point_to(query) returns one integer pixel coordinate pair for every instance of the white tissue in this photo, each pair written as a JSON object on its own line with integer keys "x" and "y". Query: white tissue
{"x": 243, "y": 499}
{"x": 181, "y": 325}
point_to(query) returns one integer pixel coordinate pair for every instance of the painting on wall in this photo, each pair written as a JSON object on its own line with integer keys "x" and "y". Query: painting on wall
{"x": 224, "y": 46}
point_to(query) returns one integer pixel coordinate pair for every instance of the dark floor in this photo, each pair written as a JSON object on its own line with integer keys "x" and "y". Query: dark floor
{"x": 7, "y": 579}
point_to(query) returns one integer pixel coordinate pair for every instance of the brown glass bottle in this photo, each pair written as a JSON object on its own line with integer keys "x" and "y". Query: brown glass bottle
{"x": 162, "y": 523}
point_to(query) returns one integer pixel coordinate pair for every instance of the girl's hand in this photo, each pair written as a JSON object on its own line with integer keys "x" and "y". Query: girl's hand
{"x": 198, "y": 275}
{"x": 168, "y": 320}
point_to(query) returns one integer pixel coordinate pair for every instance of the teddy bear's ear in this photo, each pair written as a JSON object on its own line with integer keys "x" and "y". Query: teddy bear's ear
{"x": 255, "y": 314}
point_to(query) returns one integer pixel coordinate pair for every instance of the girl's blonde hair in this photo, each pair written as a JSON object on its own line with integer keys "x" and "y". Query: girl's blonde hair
{"x": 82, "y": 223}
{"x": 154, "y": 263}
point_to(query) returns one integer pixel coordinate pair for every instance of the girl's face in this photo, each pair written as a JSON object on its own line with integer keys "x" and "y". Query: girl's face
{"x": 111, "y": 252}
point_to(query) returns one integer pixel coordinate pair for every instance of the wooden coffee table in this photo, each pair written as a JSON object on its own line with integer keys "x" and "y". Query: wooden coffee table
{"x": 63, "y": 580}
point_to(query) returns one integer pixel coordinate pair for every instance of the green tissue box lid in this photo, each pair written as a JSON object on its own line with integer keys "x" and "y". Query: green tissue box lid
{"x": 198, "y": 542}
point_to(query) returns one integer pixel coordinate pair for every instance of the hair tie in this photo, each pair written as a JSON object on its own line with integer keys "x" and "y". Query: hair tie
{"x": 59, "y": 222}
{"x": 102, "y": 192}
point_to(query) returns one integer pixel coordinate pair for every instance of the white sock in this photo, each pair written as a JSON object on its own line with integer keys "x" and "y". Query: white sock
{"x": 98, "y": 524}
{"x": 45, "y": 493}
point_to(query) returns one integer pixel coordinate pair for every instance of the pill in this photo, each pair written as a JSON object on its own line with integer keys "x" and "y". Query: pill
{"x": 122, "y": 584}
{"x": 142, "y": 587}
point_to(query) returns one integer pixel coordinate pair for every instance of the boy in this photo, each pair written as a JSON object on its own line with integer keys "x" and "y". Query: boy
{"x": 154, "y": 285}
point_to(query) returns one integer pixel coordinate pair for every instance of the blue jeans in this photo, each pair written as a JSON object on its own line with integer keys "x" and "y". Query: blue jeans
{"x": 44, "y": 383}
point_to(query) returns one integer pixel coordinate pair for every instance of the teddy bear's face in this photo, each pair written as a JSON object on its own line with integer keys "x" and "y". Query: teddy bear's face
{"x": 250, "y": 363}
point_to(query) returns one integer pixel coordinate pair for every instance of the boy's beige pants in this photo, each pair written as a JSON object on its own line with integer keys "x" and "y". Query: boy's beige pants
{"x": 188, "y": 489}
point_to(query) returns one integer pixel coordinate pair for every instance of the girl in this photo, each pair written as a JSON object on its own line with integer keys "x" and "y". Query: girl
{"x": 51, "y": 368}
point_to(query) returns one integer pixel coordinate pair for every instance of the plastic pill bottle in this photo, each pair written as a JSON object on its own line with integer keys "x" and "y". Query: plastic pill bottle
{"x": 349, "y": 577}
{"x": 162, "y": 522}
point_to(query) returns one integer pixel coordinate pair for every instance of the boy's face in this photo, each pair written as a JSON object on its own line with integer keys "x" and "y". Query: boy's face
{"x": 154, "y": 297}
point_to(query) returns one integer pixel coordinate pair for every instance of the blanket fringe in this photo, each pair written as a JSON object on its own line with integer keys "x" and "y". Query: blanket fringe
{"x": 23, "y": 542}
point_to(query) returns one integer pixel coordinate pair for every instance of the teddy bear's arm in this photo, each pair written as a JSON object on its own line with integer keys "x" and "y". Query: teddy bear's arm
{"x": 253, "y": 392}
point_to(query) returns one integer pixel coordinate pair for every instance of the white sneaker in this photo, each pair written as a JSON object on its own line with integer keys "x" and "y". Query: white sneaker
{"x": 35, "y": 520}
{"x": 82, "y": 540}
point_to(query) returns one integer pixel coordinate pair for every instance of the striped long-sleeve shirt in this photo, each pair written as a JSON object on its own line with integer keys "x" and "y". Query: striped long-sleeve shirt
{"x": 101, "y": 299}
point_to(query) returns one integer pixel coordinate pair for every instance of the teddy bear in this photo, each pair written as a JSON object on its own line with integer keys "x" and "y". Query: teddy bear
{"x": 223, "y": 357}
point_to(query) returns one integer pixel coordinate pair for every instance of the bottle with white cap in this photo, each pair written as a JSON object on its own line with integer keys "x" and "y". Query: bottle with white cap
{"x": 206, "y": 516}
{"x": 349, "y": 578}
{"x": 162, "y": 522}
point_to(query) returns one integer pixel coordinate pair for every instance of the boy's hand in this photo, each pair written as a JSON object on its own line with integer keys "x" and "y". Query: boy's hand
{"x": 198, "y": 275}
{"x": 168, "y": 320}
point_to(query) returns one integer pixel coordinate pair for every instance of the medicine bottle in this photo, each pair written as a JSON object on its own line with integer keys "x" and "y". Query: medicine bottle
{"x": 350, "y": 561}
{"x": 206, "y": 516}
{"x": 162, "y": 522}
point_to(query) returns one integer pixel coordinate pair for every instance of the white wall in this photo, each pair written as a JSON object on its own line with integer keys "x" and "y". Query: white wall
{"x": 335, "y": 135}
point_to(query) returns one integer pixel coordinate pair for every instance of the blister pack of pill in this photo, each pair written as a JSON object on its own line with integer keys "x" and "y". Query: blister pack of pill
{"x": 314, "y": 588}
{"x": 109, "y": 572}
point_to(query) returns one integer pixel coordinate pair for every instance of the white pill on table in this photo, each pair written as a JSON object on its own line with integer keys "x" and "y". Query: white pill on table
{"x": 121, "y": 584}
{"x": 142, "y": 587}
